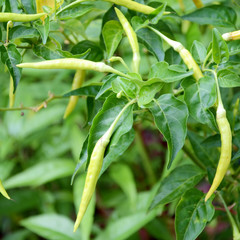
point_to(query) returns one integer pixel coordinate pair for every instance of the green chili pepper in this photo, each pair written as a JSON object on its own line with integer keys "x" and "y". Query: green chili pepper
{"x": 77, "y": 83}
{"x": 72, "y": 63}
{"x": 132, "y": 38}
{"x": 15, "y": 17}
{"x": 95, "y": 166}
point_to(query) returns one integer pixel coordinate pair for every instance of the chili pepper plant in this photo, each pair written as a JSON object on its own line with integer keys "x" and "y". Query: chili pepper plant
{"x": 119, "y": 119}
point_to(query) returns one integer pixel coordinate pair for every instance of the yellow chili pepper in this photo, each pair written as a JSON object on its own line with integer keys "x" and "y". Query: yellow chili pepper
{"x": 226, "y": 150}
{"x": 132, "y": 38}
{"x": 231, "y": 36}
{"x": 198, "y": 3}
{"x": 133, "y": 6}
{"x": 77, "y": 83}
{"x": 11, "y": 94}
{"x": 226, "y": 142}
{"x": 48, "y": 3}
{"x": 95, "y": 166}
{"x": 3, "y": 191}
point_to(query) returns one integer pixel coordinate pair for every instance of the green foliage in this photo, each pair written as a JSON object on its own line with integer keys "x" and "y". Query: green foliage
{"x": 165, "y": 147}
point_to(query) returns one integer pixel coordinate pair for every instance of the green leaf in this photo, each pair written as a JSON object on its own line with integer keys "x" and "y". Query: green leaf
{"x": 149, "y": 90}
{"x": 41, "y": 173}
{"x": 199, "y": 52}
{"x": 170, "y": 115}
{"x": 11, "y": 57}
{"x": 167, "y": 73}
{"x": 82, "y": 158}
{"x": 43, "y": 29}
{"x": 96, "y": 53}
{"x": 124, "y": 227}
{"x": 192, "y": 215}
{"x": 112, "y": 35}
{"x": 234, "y": 47}
{"x": 52, "y": 227}
{"x": 23, "y": 32}
{"x": 158, "y": 229}
{"x": 206, "y": 154}
{"x": 129, "y": 88}
{"x": 120, "y": 142}
{"x": 19, "y": 235}
{"x": 24, "y": 200}
{"x": 199, "y": 97}
{"x": 228, "y": 78}
{"x": 103, "y": 120}
{"x": 29, "y": 6}
{"x": 157, "y": 14}
{"x": 74, "y": 10}
{"x": 87, "y": 222}
{"x": 180, "y": 180}
{"x": 107, "y": 85}
{"x": 217, "y": 15}
{"x": 49, "y": 54}
{"x": 219, "y": 48}
{"x": 152, "y": 42}
{"x": 90, "y": 90}
{"x": 172, "y": 57}
{"x": 118, "y": 172}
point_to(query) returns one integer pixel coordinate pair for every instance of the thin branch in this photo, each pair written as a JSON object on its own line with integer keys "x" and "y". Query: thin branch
{"x": 35, "y": 108}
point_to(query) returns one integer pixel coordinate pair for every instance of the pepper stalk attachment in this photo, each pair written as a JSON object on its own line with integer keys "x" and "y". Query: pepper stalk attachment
{"x": 184, "y": 53}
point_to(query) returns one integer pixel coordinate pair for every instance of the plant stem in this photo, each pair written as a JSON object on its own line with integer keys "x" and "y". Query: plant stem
{"x": 36, "y": 108}
{"x": 145, "y": 158}
{"x": 193, "y": 157}
{"x": 236, "y": 233}
{"x": 205, "y": 60}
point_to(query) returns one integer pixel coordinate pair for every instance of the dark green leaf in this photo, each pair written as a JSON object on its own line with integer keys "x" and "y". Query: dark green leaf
{"x": 90, "y": 90}
{"x": 96, "y": 53}
{"x": 24, "y": 200}
{"x": 29, "y": 6}
{"x": 109, "y": 112}
{"x": 120, "y": 142}
{"x": 11, "y": 57}
{"x": 217, "y": 15}
{"x": 152, "y": 42}
{"x": 207, "y": 155}
{"x": 49, "y": 54}
{"x": 167, "y": 73}
{"x": 170, "y": 115}
{"x": 192, "y": 215}
{"x": 112, "y": 35}
{"x": 180, "y": 180}
{"x": 157, "y": 14}
{"x": 107, "y": 84}
{"x": 219, "y": 48}
{"x": 172, "y": 57}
